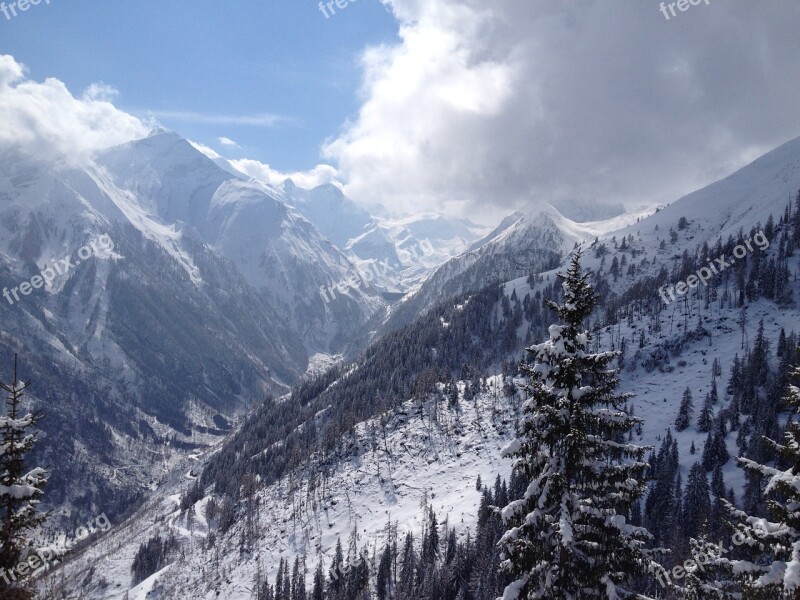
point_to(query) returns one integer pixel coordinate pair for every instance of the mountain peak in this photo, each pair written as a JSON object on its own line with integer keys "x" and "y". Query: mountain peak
{"x": 159, "y": 130}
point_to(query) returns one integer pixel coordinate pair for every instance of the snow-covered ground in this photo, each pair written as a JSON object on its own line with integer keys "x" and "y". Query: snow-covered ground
{"x": 382, "y": 480}
{"x": 386, "y": 478}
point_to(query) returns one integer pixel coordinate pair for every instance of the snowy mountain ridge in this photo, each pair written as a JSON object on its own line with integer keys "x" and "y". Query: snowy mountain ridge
{"x": 209, "y": 301}
{"x": 525, "y": 242}
{"x": 384, "y": 482}
{"x": 279, "y": 252}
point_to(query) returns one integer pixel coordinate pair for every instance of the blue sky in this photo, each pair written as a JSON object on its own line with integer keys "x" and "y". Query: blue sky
{"x": 193, "y": 60}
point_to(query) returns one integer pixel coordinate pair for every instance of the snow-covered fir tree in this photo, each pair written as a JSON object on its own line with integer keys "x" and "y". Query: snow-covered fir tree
{"x": 705, "y": 579}
{"x": 706, "y": 417}
{"x": 21, "y": 489}
{"x": 569, "y": 536}
{"x": 772, "y": 569}
{"x": 697, "y": 502}
{"x": 685, "y": 412}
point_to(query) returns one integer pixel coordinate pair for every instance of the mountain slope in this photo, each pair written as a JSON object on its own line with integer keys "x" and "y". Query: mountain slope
{"x": 535, "y": 241}
{"x": 667, "y": 347}
{"x": 279, "y": 253}
{"x": 205, "y": 299}
{"x": 396, "y": 253}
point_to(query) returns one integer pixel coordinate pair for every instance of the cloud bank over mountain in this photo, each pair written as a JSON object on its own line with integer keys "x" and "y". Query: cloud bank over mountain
{"x": 483, "y": 108}
{"x": 45, "y": 119}
{"x": 507, "y": 102}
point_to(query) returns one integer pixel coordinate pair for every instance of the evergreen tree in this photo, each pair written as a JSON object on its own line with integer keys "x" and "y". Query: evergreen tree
{"x": 774, "y": 544}
{"x": 706, "y": 579}
{"x": 357, "y": 569}
{"x": 569, "y": 535}
{"x": 407, "y": 585}
{"x": 20, "y": 489}
{"x": 715, "y": 451}
{"x": 279, "y": 582}
{"x": 706, "y": 417}
{"x": 383, "y": 582}
{"x": 430, "y": 542}
{"x": 716, "y": 522}
{"x": 714, "y": 395}
{"x": 696, "y": 504}
{"x": 736, "y": 376}
{"x": 796, "y": 224}
{"x": 661, "y": 502}
{"x": 318, "y": 591}
{"x": 675, "y": 533}
{"x": 685, "y": 412}
{"x": 335, "y": 584}
{"x": 287, "y": 581}
{"x": 299, "y": 579}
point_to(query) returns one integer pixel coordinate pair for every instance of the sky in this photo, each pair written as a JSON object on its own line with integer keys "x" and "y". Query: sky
{"x": 468, "y": 107}
{"x": 273, "y": 76}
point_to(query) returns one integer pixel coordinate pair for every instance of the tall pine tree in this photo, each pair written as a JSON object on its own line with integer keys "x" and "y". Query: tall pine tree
{"x": 20, "y": 489}
{"x": 774, "y": 544}
{"x": 685, "y": 412}
{"x": 569, "y": 536}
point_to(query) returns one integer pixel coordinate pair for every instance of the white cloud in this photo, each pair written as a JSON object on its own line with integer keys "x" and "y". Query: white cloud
{"x": 502, "y": 103}
{"x": 45, "y": 119}
{"x": 225, "y": 141}
{"x": 100, "y": 92}
{"x": 262, "y": 172}
{"x": 10, "y": 71}
{"x": 207, "y": 150}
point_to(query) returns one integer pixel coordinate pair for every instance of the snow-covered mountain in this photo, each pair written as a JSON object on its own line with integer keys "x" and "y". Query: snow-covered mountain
{"x": 521, "y": 244}
{"x": 384, "y": 483}
{"x": 396, "y": 253}
{"x": 206, "y": 297}
{"x": 426, "y": 241}
{"x": 278, "y": 252}
{"x": 335, "y": 215}
{"x": 379, "y": 438}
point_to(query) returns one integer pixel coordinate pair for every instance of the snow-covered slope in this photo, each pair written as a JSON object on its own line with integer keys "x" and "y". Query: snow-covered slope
{"x": 206, "y": 299}
{"x": 667, "y": 348}
{"x": 107, "y": 342}
{"x": 396, "y": 253}
{"x": 428, "y": 240}
{"x": 335, "y": 215}
{"x": 279, "y": 253}
{"x": 522, "y": 244}
{"x": 744, "y": 198}
{"x": 419, "y": 458}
